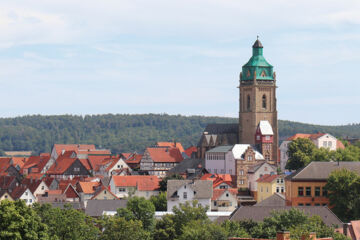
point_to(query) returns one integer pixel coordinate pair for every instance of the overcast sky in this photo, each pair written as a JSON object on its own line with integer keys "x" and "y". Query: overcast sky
{"x": 177, "y": 57}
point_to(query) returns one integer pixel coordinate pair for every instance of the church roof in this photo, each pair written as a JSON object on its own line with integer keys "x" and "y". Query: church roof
{"x": 257, "y": 44}
{"x": 221, "y": 128}
{"x": 265, "y": 128}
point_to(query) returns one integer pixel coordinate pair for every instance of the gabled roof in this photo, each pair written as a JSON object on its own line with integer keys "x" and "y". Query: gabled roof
{"x": 221, "y": 149}
{"x": 222, "y": 128}
{"x": 239, "y": 150}
{"x": 18, "y": 191}
{"x": 95, "y": 208}
{"x": 38, "y": 161}
{"x": 311, "y": 136}
{"x": 171, "y": 145}
{"x": 101, "y": 190}
{"x": 3, "y": 192}
{"x": 265, "y": 128}
{"x": 160, "y": 154}
{"x": 275, "y": 200}
{"x": 258, "y": 213}
{"x": 134, "y": 159}
{"x": 218, "y": 179}
{"x": 219, "y": 192}
{"x": 72, "y": 147}
{"x": 87, "y": 187}
{"x": 142, "y": 182}
{"x": 5, "y": 162}
{"x": 256, "y": 167}
{"x": 190, "y": 150}
{"x": 267, "y": 178}
{"x": 6, "y": 181}
{"x": 191, "y": 167}
{"x": 70, "y": 192}
{"x": 320, "y": 171}
{"x": 32, "y": 184}
{"x": 202, "y": 188}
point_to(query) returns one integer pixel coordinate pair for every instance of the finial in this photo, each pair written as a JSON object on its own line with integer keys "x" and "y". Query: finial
{"x": 257, "y": 37}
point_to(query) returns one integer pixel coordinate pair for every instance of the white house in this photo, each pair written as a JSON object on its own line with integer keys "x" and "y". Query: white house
{"x": 224, "y": 200}
{"x": 258, "y": 171}
{"x": 320, "y": 140}
{"x": 23, "y": 193}
{"x": 222, "y": 159}
{"x": 182, "y": 191}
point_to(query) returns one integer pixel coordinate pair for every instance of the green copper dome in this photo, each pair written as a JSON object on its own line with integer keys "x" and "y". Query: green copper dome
{"x": 258, "y": 64}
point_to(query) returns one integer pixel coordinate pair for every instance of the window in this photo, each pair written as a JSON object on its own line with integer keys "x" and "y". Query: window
{"x": 30, "y": 200}
{"x": 250, "y": 158}
{"x": 6, "y": 196}
{"x": 214, "y": 203}
{"x": 241, "y": 182}
{"x": 329, "y": 144}
{"x": 76, "y": 169}
{"x": 317, "y": 191}
{"x": 324, "y": 192}
{"x": 308, "y": 191}
{"x": 261, "y": 189}
{"x": 282, "y": 189}
{"x": 105, "y": 192}
{"x": 118, "y": 166}
{"x": 300, "y": 204}
{"x": 325, "y": 144}
{"x": 300, "y": 191}
{"x": 26, "y": 193}
{"x": 42, "y": 187}
{"x": 121, "y": 189}
{"x": 248, "y": 102}
{"x": 241, "y": 172}
{"x": 264, "y": 101}
{"x": 267, "y": 157}
{"x": 267, "y": 189}
{"x": 185, "y": 195}
{"x": 308, "y": 204}
{"x": 222, "y": 187}
{"x": 277, "y": 189}
{"x": 227, "y": 194}
{"x": 278, "y": 180}
{"x": 324, "y": 204}
{"x": 257, "y": 137}
{"x": 281, "y": 180}
{"x": 317, "y": 204}
{"x": 267, "y": 138}
{"x": 26, "y": 200}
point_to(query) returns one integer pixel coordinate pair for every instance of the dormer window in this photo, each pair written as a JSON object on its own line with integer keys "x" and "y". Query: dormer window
{"x": 263, "y": 74}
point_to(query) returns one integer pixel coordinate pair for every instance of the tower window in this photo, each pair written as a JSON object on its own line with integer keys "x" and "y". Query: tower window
{"x": 248, "y": 102}
{"x": 264, "y": 101}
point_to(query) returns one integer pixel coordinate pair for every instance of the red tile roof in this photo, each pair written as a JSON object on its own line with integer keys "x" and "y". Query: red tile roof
{"x": 134, "y": 159}
{"x": 190, "y": 150}
{"x": 87, "y": 187}
{"x": 32, "y": 184}
{"x": 38, "y": 161}
{"x": 355, "y": 225}
{"x": 72, "y": 147}
{"x": 143, "y": 183}
{"x": 101, "y": 190}
{"x": 339, "y": 145}
{"x": 95, "y": 152}
{"x": 18, "y": 192}
{"x": 218, "y": 179}
{"x": 70, "y": 192}
{"x": 268, "y": 178}
{"x": 126, "y": 155}
{"x": 159, "y": 154}
{"x": 171, "y": 145}
{"x": 218, "y": 192}
{"x": 5, "y": 181}
{"x": 305, "y": 135}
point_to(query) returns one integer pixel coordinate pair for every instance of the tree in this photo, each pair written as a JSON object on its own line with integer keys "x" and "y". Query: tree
{"x": 67, "y": 223}
{"x": 188, "y": 212}
{"x": 234, "y": 229}
{"x": 18, "y": 221}
{"x": 163, "y": 182}
{"x": 165, "y": 229}
{"x": 138, "y": 208}
{"x": 343, "y": 188}
{"x": 300, "y": 153}
{"x": 159, "y": 201}
{"x": 202, "y": 230}
{"x": 117, "y": 228}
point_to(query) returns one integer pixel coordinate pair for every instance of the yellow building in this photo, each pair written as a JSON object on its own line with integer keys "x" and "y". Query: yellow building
{"x": 5, "y": 195}
{"x": 269, "y": 184}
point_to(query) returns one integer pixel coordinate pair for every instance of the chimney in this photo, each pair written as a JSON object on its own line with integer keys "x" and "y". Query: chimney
{"x": 308, "y": 236}
{"x": 283, "y": 235}
{"x": 346, "y": 228}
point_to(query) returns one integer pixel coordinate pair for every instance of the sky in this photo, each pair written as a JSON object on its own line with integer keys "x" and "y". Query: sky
{"x": 178, "y": 57}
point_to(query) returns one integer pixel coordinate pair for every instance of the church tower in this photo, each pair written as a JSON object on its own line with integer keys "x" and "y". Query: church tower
{"x": 258, "y": 99}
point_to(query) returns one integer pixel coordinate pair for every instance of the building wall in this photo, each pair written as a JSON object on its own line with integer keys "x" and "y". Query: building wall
{"x": 190, "y": 197}
{"x": 229, "y": 200}
{"x": 265, "y": 189}
{"x": 283, "y": 154}
{"x": 221, "y": 163}
{"x": 28, "y": 197}
{"x": 41, "y": 189}
{"x": 293, "y": 198}
{"x": 105, "y": 195}
{"x": 7, "y": 197}
{"x": 146, "y": 194}
{"x": 327, "y": 141}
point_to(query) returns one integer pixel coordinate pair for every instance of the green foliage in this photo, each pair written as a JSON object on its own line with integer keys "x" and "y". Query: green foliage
{"x": 67, "y": 223}
{"x": 344, "y": 194}
{"x": 300, "y": 153}
{"x": 186, "y": 213}
{"x": 18, "y": 221}
{"x": 165, "y": 228}
{"x": 117, "y": 228}
{"x": 235, "y": 229}
{"x": 138, "y": 208}
{"x": 124, "y": 132}
{"x": 163, "y": 182}
{"x": 203, "y": 230}
{"x": 159, "y": 201}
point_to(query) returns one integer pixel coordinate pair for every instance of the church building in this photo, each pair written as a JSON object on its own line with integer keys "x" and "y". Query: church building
{"x": 258, "y": 123}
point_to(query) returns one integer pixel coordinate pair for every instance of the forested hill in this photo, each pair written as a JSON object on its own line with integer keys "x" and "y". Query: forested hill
{"x": 122, "y": 132}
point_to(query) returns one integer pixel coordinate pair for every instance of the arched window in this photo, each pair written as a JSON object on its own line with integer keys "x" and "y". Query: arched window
{"x": 248, "y": 102}
{"x": 264, "y": 101}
